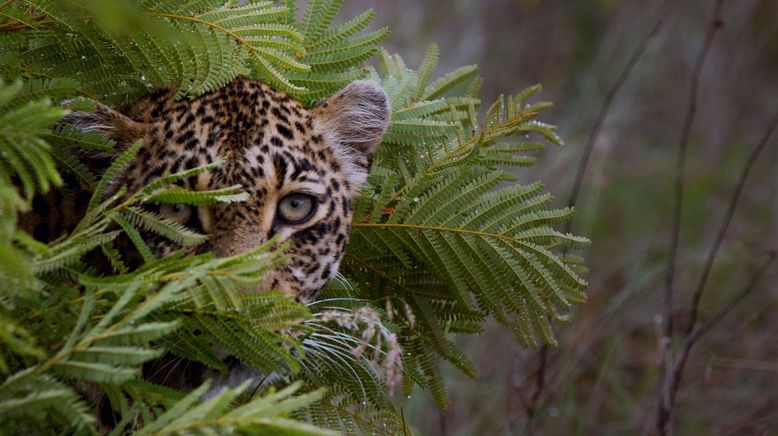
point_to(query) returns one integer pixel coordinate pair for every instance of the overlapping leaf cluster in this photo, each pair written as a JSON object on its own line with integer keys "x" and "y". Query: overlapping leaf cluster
{"x": 70, "y": 322}
{"x": 441, "y": 240}
{"x": 116, "y": 53}
{"x": 441, "y": 235}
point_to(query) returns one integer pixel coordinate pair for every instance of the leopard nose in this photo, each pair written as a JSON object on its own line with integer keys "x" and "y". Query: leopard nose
{"x": 236, "y": 241}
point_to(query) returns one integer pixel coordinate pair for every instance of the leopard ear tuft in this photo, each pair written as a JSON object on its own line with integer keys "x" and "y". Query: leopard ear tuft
{"x": 108, "y": 123}
{"x": 356, "y": 119}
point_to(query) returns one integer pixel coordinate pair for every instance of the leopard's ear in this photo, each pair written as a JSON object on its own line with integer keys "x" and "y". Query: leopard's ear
{"x": 354, "y": 120}
{"x": 108, "y": 123}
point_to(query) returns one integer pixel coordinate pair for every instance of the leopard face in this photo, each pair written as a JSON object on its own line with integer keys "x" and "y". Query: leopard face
{"x": 301, "y": 168}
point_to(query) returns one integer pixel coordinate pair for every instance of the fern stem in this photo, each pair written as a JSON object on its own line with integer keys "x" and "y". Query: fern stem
{"x": 29, "y": 72}
{"x": 486, "y": 137}
{"x": 15, "y": 26}
{"x": 214, "y": 26}
{"x": 378, "y": 271}
{"x": 440, "y": 229}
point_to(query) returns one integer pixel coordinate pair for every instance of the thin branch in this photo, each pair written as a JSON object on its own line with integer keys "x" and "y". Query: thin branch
{"x": 579, "y": 178}
{"x": 442, "y": 422}
{"x": 693, "y": 336}
{"x": 540, "y": 384}
{"x": 693, "y": 332}
{"x": 727, "y": 220}
{"x": 606, "y": 105}
{"x": 665, "y": 401}
{"x": 525, "y": 404}
{"x": 681, "y": 165}
{"x": 735, "y": 301}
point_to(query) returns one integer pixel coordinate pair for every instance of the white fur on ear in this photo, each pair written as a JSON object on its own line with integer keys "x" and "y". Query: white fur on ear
{"x": 108, "y": 123}
{"x": 355, "y": 120}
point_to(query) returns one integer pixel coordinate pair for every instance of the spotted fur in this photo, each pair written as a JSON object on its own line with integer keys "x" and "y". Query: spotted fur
{"x": 270, "y": 145}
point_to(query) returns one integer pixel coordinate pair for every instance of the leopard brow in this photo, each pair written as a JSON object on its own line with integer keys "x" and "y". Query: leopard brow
{"x": 317, "y": 190}
{"x": 310, "y": 188}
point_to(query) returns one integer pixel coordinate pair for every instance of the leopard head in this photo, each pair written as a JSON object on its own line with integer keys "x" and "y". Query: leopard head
{"x": 302, "y": 169}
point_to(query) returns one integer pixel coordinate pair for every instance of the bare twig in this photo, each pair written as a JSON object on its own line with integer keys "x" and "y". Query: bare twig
{"x": 672, "y": 380}
{"x": 606, "y": 105}
{"x": 540, "y": 384}
{"x": 727, "y": 220}
{"x": 540, "y": 373}
{"x": 513, "y": 378}
{"x": 737, "y": 299}
{"x": 442, "y": 422}
{"x": 405, "y": 427}
{"x": 693, "y": 332}
{"x": 694, "y": 335}
{"x": 665, "y": 400}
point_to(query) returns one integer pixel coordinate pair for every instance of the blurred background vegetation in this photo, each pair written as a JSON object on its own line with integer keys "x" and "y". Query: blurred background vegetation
{"x": 602, "y": 377}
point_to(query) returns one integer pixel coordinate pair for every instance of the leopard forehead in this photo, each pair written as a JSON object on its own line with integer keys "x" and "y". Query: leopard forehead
{"x": 266, "y": 140}
{"x": 270, "y": 145}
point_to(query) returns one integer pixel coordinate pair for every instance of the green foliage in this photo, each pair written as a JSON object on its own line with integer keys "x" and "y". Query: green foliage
{"x": 117, "y": 53}
{"x": 255, "y": 415}
{"x": 440, "y": 242}
{"x": 437, "y": 234}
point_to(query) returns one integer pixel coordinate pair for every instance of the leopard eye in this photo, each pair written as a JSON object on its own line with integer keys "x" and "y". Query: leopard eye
{"x": 296, "y": 208}
{"x": 180, "y": 213}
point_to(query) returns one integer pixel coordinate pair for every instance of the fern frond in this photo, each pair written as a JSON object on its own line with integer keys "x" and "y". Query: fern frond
{"x": 23, "y": 150}
{"x": 26, "y": 397}
{"x": 448, "y": 81}
{"x": 184, "y": 196}
{"x": 262, "y": 414}
{"x": 160, "y": 225}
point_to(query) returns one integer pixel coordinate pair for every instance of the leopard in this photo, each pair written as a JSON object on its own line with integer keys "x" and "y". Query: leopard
{"x": 301, "y": 168}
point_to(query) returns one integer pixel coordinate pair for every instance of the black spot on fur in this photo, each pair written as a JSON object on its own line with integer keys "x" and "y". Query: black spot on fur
{"x": 281, "y": 117}
{"x": 284, "y": 131}
{"x": 185, "y": 137}
{"x": 326, "y": 272}
{"x": 276, "y": 141}
{"x": 280, "y": 165}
